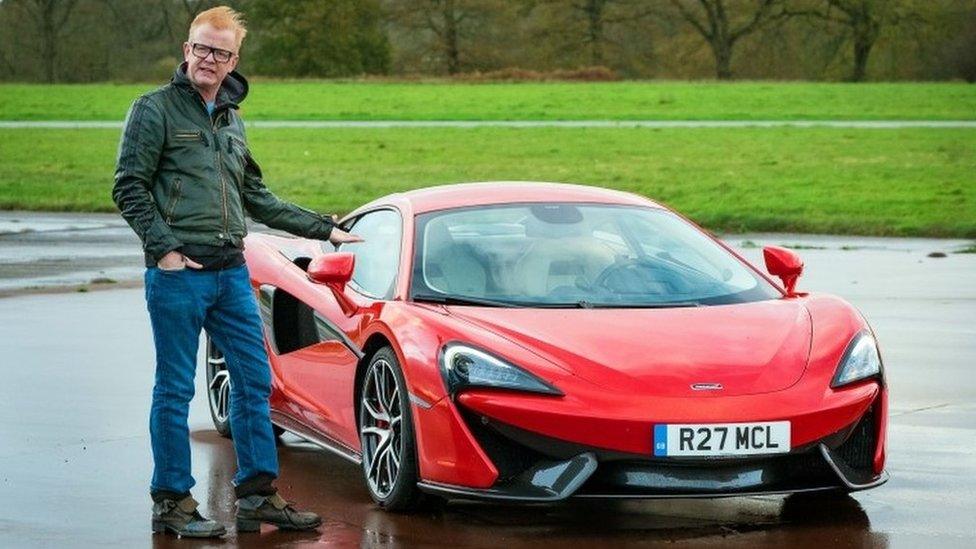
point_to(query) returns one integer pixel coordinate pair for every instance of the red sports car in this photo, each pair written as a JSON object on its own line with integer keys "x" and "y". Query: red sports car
{"x": 536, "y": 341}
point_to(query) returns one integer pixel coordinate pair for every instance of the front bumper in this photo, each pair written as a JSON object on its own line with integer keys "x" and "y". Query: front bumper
{"x": 527, "y": 465}
{"x": 531, "y": 469}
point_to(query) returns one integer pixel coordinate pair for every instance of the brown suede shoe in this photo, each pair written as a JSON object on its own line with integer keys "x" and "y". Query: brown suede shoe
{"x": 182, "y": 518}
{"x": 253, "y": 510}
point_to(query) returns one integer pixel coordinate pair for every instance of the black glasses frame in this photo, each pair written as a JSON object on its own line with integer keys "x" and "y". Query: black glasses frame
{"x": 219, "y": 55}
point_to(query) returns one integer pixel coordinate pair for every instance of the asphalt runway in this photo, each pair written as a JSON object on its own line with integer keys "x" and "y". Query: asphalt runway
{"x": 76, "y": 371}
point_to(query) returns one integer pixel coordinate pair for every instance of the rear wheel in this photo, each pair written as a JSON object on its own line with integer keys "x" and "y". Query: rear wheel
{"x": 218, "y": 391}
{"x": 387, "y": 435}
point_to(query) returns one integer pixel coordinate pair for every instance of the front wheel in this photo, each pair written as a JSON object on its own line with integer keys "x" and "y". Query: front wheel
{"x": 387, "y": 435}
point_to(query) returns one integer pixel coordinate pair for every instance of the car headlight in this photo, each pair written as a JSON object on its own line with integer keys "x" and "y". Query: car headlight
{"x": 860, "y": 361}
{"x": 465, "y": 366}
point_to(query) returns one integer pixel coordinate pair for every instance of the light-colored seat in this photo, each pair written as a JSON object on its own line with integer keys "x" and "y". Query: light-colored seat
{"x": 451, "y": 267}
{"x": 558, "y": 256}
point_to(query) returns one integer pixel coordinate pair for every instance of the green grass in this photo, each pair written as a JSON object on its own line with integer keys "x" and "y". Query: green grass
{"x": 357, "y": 100}
{"x": 891, "y": 182}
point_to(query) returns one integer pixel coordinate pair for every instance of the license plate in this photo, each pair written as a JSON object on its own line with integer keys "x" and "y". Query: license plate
{"x": 722, "y": 439}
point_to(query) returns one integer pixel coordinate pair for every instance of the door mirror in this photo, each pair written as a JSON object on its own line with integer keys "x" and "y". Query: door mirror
{"x": 785, "y": 264}
{"x": 334, "y": 269}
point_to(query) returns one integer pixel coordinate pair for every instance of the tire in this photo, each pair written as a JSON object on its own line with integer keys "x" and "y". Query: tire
{"x": 218, "y": 391}
{"x": 387, "y": 436}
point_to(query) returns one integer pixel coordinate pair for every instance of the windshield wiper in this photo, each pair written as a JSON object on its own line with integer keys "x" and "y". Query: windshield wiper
{"x": 462, "y": 300}
{"x": 581, "y": 304}
{"x": 667, "y": 305}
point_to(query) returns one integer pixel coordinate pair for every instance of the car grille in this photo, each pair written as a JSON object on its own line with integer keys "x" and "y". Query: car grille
{"x": 513, "y": 451}
{"x": 858, "y": 450}
{"x": 717, "y": 477}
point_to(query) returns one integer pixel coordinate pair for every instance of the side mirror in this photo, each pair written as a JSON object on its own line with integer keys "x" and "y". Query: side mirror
{"x": 332, "y": 269}
{"x": 335, "y": 270}
{"x": 785, "y": 264}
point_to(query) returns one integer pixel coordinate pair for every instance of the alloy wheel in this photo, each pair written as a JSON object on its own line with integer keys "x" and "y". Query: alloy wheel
{"x": 381, "y": 414}
{"x": 218, "y": 384}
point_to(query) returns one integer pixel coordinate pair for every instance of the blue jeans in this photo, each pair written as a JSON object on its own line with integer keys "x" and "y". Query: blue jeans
{"x": 222, "y": 302}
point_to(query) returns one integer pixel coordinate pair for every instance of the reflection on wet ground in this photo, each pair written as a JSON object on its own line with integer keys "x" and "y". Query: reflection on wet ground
{"x": 333, "y": 487}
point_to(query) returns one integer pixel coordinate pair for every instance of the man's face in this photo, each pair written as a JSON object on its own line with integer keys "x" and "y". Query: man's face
{"x": 208, "y": 73}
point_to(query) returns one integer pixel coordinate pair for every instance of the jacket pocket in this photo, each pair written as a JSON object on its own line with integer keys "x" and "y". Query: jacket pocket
{"x": 187, "y": 135}
{"x": 174, "y": 200}
{"x": 236, "y": 152}
{"x": 236, "y": 147}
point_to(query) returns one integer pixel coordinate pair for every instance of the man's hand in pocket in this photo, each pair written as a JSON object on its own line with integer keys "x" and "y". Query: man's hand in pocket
{"x": 174, "y": 261}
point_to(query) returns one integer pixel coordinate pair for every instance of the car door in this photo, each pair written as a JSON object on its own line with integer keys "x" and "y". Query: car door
{"x": 320, "y": 377}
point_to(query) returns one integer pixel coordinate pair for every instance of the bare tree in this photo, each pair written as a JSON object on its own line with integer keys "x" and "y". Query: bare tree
{"x": 451, "y": 23}
{"x": 193, "y": 8}
{"x": 6, "y": 67}
{"x": 723, "y": 23}
{"x": 595, "y": 16}
{"x": 961, "y": 51}
{"x": 134, "y": 25}
{"x": 49, "y": 18}
{"x": 864, "y": 20}
{"x": 442, "y": 18}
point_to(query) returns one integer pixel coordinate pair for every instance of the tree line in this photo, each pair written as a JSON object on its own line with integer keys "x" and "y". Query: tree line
{"x": 856, "y": 40}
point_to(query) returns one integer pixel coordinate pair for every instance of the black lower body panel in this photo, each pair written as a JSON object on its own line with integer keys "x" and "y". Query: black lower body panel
{"x": 533, "y": 467}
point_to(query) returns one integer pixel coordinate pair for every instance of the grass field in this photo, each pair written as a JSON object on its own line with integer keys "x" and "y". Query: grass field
{"x": 357, "y": 100}
{"x": 854, "y": 181}
{"x": 885, "y": 182}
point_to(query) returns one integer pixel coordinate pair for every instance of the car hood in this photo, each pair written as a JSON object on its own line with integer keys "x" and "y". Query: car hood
{"x": 746, "y": 348}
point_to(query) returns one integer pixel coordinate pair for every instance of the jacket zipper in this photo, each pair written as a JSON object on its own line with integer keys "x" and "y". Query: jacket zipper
{"x": 220, "y": 169}
{"x": 220, "y": 173}
{"x": 176, "y": 200}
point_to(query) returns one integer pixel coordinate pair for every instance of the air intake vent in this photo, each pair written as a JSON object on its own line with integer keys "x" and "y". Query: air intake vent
{"x": 858, "y": 450}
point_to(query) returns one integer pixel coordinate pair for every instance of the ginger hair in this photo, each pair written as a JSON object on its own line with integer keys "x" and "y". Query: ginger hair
{"x": 221, "y": 18}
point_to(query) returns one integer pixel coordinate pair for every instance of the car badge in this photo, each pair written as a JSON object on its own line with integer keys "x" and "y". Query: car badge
{"x": 706, "y": 386}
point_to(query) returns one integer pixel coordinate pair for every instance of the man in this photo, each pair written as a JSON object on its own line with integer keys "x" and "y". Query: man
{"x": 183, "y": 181}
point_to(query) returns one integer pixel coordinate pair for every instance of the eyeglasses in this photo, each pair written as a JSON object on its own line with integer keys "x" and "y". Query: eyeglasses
{"x": 202, "y": 51}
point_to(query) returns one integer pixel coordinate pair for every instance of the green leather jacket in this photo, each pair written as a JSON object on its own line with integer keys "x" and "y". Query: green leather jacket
{"x": 186, "y": 177}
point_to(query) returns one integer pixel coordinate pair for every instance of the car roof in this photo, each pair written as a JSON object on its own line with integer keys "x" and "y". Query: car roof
{"x": 485, "y": 193}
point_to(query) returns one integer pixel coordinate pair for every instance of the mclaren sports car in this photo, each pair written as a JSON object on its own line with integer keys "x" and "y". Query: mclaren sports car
{"x": 538, "y": 341}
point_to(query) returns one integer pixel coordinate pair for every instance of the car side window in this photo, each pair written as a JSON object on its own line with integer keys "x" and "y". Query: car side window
{"x": 378, "y": 258}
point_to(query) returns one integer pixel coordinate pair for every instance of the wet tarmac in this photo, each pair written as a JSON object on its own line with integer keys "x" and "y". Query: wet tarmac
{"x": 52, "y": 249}
{"x": 41, "y": 251}
{"x": 76, "y": 371}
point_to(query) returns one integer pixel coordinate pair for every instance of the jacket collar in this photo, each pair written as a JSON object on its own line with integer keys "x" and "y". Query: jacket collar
{"x": 232, "y": 90}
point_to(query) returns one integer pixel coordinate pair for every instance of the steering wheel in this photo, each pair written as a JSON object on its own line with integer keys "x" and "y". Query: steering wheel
{"x": 619, "y": 266}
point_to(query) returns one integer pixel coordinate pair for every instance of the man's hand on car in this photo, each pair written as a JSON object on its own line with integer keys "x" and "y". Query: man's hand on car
{"x": 338, "y": 236}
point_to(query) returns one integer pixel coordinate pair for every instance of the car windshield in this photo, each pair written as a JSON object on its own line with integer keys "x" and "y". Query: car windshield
{"x": 575, "y": 255}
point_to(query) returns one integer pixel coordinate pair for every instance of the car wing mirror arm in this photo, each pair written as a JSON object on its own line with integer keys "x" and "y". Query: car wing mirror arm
{"x": 335, "y": 271}
{"x": 786, "y": 264}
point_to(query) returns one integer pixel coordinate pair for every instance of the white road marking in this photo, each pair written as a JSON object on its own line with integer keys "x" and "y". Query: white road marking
{"x": 383, "y": 124}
